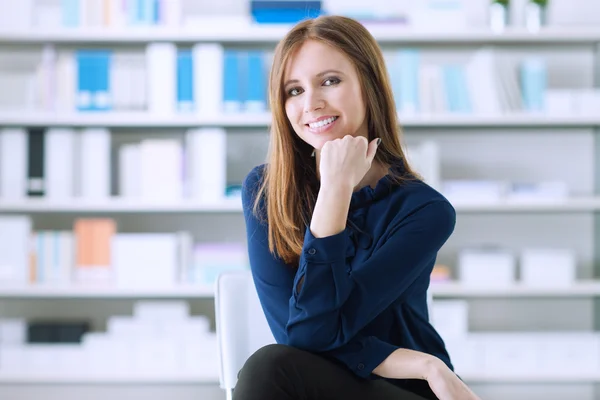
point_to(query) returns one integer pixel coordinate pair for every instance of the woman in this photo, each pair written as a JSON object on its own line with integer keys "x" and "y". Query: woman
{"x": 342, "y": 235}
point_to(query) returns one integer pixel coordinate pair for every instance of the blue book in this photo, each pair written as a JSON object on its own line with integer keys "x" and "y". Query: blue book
{"x": 101, "y": 98}
{"x": 232, "y": 81}
{"x": 133, "y": 12}
{"x": 185, "y": 81}
{"x": 157, "y": 10}
{"x": 408, "y": 60}
{"x": 84, "y": 82}
{"x": 70, "y": 12}
{"x": 463, "y": 91}
{"x": 284, "y": 11}
{"x": 533, "y": 84}
{"x": 285, "y": 5}
{"x": 256, "y": 97}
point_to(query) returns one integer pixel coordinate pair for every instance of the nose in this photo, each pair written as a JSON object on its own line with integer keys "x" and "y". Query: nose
{"x": 312, "y": 101}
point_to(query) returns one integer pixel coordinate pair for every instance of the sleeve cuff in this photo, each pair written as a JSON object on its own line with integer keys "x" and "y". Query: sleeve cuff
{"x": 363, "y": 355}
{"x": 325, "y": 250}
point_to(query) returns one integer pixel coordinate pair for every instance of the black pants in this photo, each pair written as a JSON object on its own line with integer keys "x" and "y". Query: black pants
{"x": 278, "y": 372}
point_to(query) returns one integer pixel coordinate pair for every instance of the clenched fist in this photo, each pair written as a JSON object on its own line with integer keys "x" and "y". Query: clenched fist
{"x": 346, "y": 161}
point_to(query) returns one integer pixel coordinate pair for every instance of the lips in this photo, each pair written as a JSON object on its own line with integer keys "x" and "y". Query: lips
{"x": 322, "y": 122}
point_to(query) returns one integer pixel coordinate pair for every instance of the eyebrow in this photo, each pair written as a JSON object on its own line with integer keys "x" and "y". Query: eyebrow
{"x": 320, "y": 74}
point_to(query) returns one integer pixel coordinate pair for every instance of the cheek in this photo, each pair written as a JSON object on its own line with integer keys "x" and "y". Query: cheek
{"x": 291, "y": 111}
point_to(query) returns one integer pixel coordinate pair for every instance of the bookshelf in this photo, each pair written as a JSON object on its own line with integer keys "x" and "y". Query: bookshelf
{"x": 579, "y": 214}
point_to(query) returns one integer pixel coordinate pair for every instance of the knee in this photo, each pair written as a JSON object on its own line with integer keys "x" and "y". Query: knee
{"x": 266, "y": 361}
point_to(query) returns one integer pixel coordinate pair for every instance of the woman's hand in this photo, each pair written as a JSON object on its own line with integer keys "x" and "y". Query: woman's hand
{"x": 346, "y": 161}
{"x": 447, "y": 385}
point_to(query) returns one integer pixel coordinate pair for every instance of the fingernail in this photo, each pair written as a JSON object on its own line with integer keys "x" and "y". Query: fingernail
{"x": 378, "y": 141}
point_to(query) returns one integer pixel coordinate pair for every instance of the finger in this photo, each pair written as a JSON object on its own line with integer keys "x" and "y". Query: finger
{"x": 372, "y": 149}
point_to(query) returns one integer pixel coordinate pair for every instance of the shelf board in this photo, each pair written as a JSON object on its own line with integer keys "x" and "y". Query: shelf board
{"x": 42, "y": 291}
{"x": 113, "y": 378}
{"x": 118, "y": 205}
{"x": 263, "y": 120}
{"x": 185, "y": 378}
{"x": 241, "y": 32}
{"x": 458, "y": 290}
{"x": 531, "y": 378}
{"x": 131, "y": 120}
{"x": 438, "y": 290}
{"x": 233, "y": 205}
{"x": 576, "y": 204}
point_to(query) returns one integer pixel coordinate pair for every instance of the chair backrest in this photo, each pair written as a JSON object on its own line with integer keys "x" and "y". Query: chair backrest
{"x": 240, "y": 323}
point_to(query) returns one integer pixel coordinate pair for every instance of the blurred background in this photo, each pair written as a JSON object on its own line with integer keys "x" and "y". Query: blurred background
{"x": 111, "y": 242}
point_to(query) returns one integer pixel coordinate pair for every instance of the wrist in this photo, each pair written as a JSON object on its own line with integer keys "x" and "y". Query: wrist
{"x": 336, "y": 189}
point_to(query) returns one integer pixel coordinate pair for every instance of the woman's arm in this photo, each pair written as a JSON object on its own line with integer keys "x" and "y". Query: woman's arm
{"x": 407, "y": 364}
{"x": 274, "y": 284}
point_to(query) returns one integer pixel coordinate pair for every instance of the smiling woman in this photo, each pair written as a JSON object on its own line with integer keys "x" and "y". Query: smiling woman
{"x": 342, "y": 244}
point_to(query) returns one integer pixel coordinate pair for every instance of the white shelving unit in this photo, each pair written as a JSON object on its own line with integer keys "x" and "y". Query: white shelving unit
{"x": 270, "y": 35}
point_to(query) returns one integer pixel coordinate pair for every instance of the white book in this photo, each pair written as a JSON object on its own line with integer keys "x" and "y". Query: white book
{"x": 47, "y": 14}
{"x": 67, "y": 256}
{"x": 95, "y": 13}
{"x": 161, "y": 64}
{"x": 16, "y": 15}
{"x": 207, "y": 163}
{"x": 13, "y": 163}
{"x": 15, "y": 248}
{"x": 145, "y": 259}
{"x": 161, "y": 180}
{"x": 208, "y": 78}
{"x": 117, "y": 16}
{"x": 482, "y": 82}
{"x": 130, "y": 170}
{"x": 67, "y": 77}
{"x": 172, "y": 13}
{"x": 140, "y": 85}
{"x": 425, "y": 159}
{"x": 59, "y": 163}
{"x": 95, "y": 163}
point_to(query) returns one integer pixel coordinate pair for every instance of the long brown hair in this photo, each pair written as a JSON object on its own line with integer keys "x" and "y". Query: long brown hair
{"x": 290, "y": 184}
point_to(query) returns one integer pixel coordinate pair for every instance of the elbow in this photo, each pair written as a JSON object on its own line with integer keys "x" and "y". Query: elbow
{"x": 310, "y": 340}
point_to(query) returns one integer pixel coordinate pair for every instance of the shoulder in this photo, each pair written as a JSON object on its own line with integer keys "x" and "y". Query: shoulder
{"x": 250, "y": 187}
{"x": 415, "y": 198}
{"x": 252, "y": 182}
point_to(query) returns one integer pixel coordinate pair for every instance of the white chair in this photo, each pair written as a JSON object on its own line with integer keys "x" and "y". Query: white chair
{"x": 241, "y": 325}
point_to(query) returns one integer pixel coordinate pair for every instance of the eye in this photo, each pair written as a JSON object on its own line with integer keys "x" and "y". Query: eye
{"x": 331, "y": 81}
{"x": 294, "y": 91}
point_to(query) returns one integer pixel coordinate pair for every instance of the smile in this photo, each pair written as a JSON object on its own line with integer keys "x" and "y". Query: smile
{"x": 322, "y": 125}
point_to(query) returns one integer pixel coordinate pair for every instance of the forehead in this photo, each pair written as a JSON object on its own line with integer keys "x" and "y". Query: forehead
{"x": 314, "y": 57}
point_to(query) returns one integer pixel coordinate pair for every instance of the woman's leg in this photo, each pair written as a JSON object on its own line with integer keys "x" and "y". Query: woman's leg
{"x": 278, "y": 372}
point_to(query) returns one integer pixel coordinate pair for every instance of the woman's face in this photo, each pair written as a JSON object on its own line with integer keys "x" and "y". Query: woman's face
{"x": 323, "y": 96}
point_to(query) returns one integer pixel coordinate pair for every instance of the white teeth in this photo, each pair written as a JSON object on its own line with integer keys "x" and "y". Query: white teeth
{"x": 322, "y": 123}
